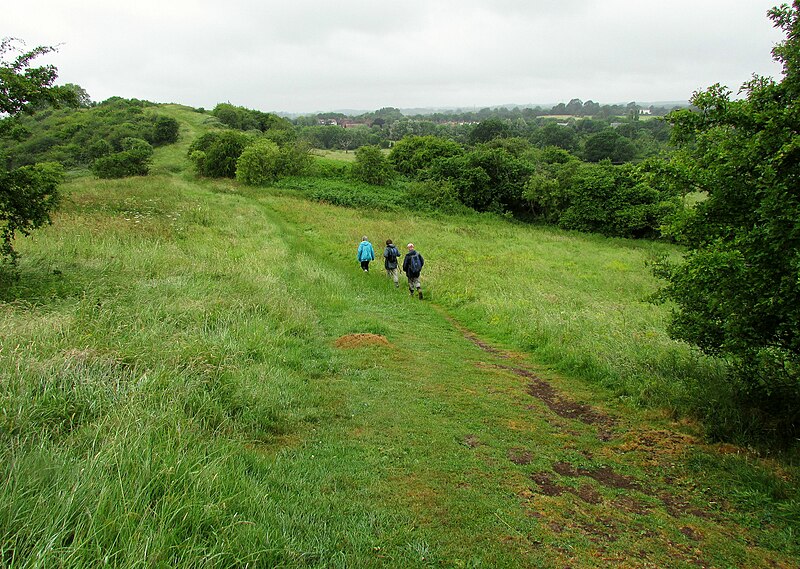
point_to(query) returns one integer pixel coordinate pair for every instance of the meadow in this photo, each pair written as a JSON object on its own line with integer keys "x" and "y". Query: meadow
{"x": 198, "y": 374}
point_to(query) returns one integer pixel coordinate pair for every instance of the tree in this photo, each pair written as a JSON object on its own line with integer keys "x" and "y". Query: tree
{"x": 82, "y": 97}
{"x": 489, "y": 129}
{"x": 737, "y": 289}
{"x": 486, "y": 179}
{"x": 608, "y": 144}
{"x": 29, "y": 194}
{"x": 371, "y": 166}
{"x": 554, "y": 134}
{"x": 415, "y": 154}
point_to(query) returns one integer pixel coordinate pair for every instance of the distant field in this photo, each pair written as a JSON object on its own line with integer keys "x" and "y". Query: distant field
{"x": 198, "y": 374}
{"x": 342, "y": 155}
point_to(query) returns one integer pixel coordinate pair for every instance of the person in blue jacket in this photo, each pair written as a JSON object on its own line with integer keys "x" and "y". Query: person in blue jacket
{"x": 365, "y": 253}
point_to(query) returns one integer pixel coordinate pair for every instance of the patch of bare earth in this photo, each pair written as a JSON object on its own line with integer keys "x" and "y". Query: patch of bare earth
{"x": 562, "y": 405}
{"x": 360, "y": 340}
{"x": 471, "y": 441}
{"x": 605, "y": 475}
{"x": 658, "y": 446}
{"x": 520, "y": 456}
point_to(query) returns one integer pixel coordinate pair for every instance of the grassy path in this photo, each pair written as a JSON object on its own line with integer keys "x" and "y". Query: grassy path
{"x": 194, "y": 374}
{"x": 496, "y": 455}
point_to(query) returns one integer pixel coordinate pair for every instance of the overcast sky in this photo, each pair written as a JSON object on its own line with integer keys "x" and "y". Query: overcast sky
{"x": 308, "y": 56}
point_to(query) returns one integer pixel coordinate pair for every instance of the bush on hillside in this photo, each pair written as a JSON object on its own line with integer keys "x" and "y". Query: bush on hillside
{"x": 372, "y": 166}
{"x": 259, "y": 163}
{"x": 263, "y": 162}
{"x": 601, "y": 198}
{"x": 486, "y": 179}
{"x": 413, "y": 155}
{"x": 134, "y": 160}
{"x": 165, "y": 130}
{"x": 435, "y": 196}
{"x": 215, "y": 153}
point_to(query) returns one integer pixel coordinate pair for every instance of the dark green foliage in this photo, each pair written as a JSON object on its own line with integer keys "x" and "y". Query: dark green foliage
{"x": 548, "y": 190}
{"x": 165, "y": 130}
{"x": 554, "y": 134}
{"x": 415, "y": 154}
{"x": 602, "y": 198}
{"x": 516, "y": 146}
{"x": 435, "y": 196}
{"x": 613, "y": 201}
{"x": 215, "y": 153}
{"x": 134, "y": 160}
{"x": 346, "y": 192}
{"x": 486, "y": 179}
{"x": 489, "y": 129}
{"x": 737, "y": 289}
{"x": 77, "y": 137}
{"x": 27, "y": 196}
{"x": 241, "y": 118}
{"x": 327, "y": 137}
{"x": 608, "y": 144}
{"x": 372, "y": 166}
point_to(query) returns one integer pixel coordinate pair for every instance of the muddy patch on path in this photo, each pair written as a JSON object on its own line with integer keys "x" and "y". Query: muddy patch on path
{"x": 605, "y": 475}
{"x": 562, "y": 405}
{"x": 548, "y": 486}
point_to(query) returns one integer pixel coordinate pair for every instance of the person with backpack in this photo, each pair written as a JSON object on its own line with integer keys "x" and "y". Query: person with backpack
{"x": 365, "y": 253}
{"x": 390, "y": 255}
{"x": 412, "y": 266}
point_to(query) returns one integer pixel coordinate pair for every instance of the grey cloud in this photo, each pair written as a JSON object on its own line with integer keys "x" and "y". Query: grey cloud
{"x": 307, "y": 55}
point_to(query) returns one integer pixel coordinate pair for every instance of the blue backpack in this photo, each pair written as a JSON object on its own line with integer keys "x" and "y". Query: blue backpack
{"x": 415, "y": 264}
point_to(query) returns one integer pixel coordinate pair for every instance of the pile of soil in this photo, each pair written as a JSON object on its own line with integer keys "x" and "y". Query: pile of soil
{"x": 361, "y": 340}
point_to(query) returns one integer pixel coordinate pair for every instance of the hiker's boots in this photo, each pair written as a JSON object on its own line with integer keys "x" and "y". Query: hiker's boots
{"x": 420, "y": 294}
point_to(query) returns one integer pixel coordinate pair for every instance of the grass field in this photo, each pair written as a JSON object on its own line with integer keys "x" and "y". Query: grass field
{"x": 197, "y": 374}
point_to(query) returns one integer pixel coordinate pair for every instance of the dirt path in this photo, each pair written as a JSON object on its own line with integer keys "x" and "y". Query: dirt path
{"x": 629, "y": 493}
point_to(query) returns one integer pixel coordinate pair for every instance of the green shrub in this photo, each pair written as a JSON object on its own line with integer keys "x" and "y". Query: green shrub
{"x": 414, "y": 154}
{"x": 487, "y": 179}
{"x": 435, "y": 196}
{"x": 372, "y": 166}
{"x": 134, "y": 160}
{"x": 27, "y": 196}
{"x": 264, "y": 162}
{"x": 165, "y": 130}
{"x": 215, "y": 154}
{"x": 259, "y": 163}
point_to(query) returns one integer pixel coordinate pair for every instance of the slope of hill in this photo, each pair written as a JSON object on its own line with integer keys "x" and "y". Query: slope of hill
{"x": 198, "y": 374}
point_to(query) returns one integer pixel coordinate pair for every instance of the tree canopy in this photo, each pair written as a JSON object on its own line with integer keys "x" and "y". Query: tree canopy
{"x": 738, "y": 288}
{"x": 30, "y": 193}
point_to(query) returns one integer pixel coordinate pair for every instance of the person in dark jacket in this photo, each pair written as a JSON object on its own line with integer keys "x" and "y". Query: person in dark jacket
{"x": 390, "y": 256}
{"x": 365, "y": 253}
{"x": 412, "y": 265}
